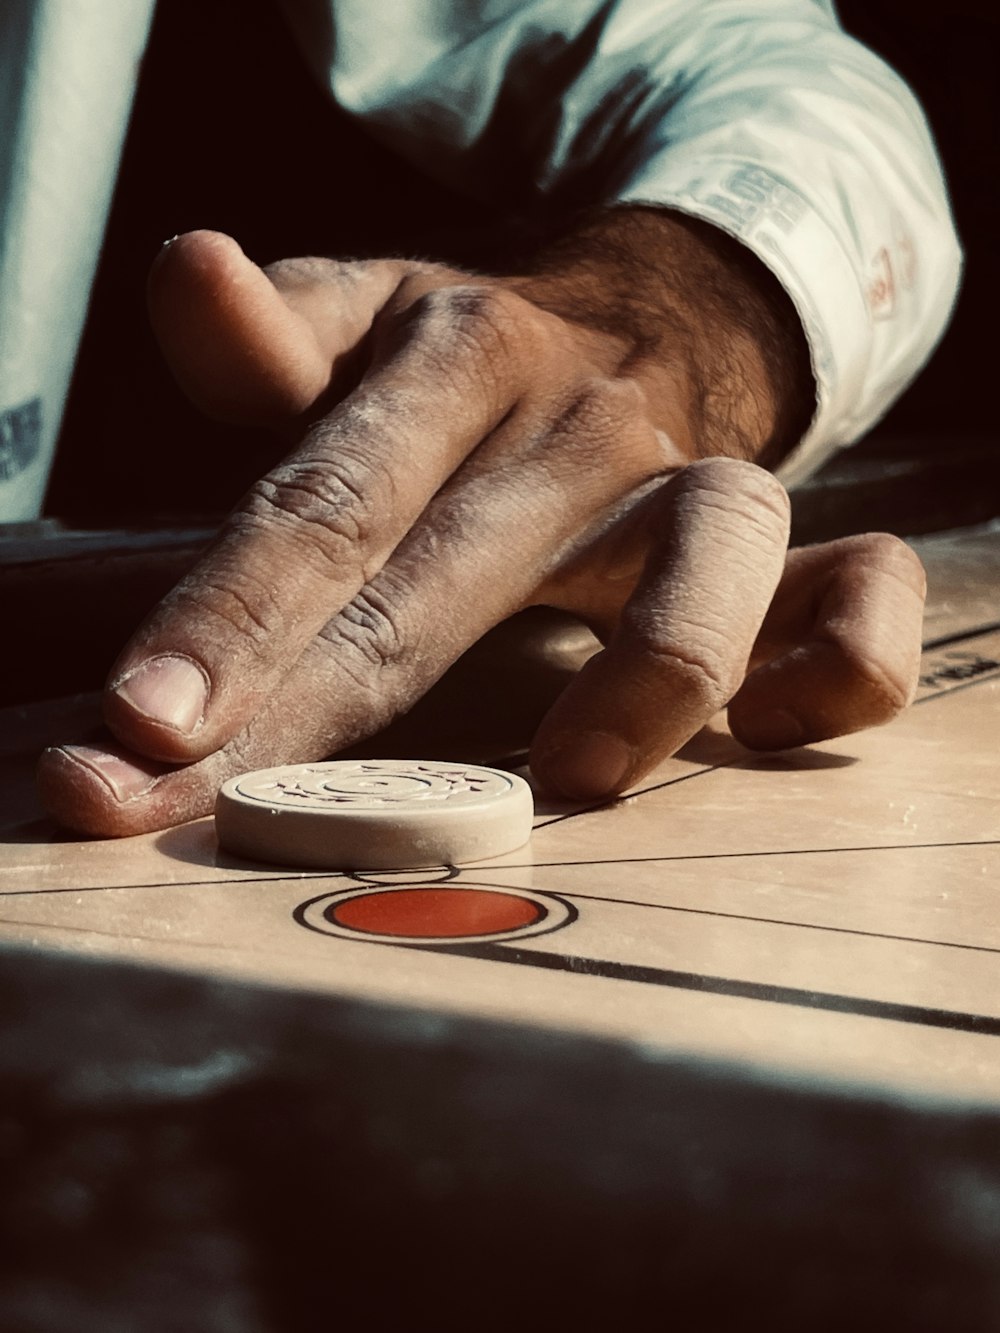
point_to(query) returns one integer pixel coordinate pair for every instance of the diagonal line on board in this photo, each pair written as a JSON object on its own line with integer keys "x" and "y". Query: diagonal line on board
{"x": 776, "y": 921}
{"x": 737, "y": 856}
{"x": 960, "y": 636}
{"x": 304, "y": 877}
{"x": 984, "y": 679}
{"x": 630, "y": 796}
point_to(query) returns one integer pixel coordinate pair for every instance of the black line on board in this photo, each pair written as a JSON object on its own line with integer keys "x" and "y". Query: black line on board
{"x": 829, "y": 1001}
{"x": 745, "y": 916}
{"x": 628, "y": 796}
{"x": 775, "y": 921}
{"x": 117, "y": 935}
{"x": 472, "y": 870}
{"x": 955, "y": 689}
{"x": 961, "y": 636}
{"x": 738, "y": 856}
{"x": 179, "y": 884}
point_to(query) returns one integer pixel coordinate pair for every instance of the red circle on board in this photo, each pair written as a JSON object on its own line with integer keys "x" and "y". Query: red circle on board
{"x": 435, "y": 913}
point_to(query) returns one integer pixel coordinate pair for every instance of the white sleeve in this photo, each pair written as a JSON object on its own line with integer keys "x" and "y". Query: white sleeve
{"x": 804, "y": 145}
{"x": 760, "y": 116}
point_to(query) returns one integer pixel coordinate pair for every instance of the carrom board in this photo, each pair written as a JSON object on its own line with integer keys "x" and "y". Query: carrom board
{"x": 832, "y": 912}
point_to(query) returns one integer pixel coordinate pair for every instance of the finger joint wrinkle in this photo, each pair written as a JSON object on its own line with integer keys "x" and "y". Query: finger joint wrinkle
{"x": 369, "y": 624}
{"x": 336, "y": 512}
{"x": 702, "y": 674}
{"x": 235, "y": 608}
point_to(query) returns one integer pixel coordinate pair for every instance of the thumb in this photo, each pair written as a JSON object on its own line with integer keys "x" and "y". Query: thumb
{"x": 253, "y": 346}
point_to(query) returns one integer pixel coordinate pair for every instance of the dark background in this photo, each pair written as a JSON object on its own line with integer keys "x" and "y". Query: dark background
{"x": 950, "y": 55}
{"x": 232, "y": 154}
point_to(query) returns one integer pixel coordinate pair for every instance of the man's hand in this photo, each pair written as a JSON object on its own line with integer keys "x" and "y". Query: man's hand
{"x": 582, "y": 435}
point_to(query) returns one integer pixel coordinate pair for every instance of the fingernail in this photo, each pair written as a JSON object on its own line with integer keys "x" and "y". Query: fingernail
{"x": 126, "y": 780}
{"x": 589, "y": 765}
{"x": 773, "y": 731}
{"x": 170, "y": 690}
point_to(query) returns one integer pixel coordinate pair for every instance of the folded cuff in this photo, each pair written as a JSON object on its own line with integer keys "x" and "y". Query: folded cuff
{"x": 778, "y": 224}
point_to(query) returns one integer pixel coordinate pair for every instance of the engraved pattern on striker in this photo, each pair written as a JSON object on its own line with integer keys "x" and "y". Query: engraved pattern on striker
{"x": 371, "y": 785}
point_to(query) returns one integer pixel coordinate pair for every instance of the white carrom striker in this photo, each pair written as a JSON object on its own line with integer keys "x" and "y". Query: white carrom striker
{"x": 373, "y": 814}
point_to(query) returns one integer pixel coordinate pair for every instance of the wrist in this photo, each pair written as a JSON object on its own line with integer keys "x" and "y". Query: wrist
{"x": 695, "y": 317}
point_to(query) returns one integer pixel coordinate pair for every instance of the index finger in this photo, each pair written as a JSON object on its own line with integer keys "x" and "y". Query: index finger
{"x": 312, "y": 532}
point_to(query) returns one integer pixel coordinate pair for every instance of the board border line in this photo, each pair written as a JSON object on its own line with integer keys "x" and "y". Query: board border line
{"x": 954, "y": 1020}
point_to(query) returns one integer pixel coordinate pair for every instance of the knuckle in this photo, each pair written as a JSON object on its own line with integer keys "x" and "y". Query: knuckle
{"x": 302, "y": 271}
{"x": 226, "y": 601}
{"x": 371, "y": 625}
{"x": 886, "y": 692}
{"x": 600, "y": 421}
{"x": 752, "y": 503}
{"x": 885, "y": 685}
{"x": 330, "y": 507}
{"x": 700, "y": 671}
{"x": 888, "y": 555}
{"x": 485, "y": 324}
{"x": 738, "y": 482}
{"x": 600, "y": 406}
{"x": 875, "y": 634}
{"x": 480, "y": 314}
{"x": 702, "y": 678}
{"x": 250, "y": 611}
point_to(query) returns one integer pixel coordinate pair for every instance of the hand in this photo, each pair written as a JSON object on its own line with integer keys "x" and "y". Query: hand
{"x": 578, "y": 435}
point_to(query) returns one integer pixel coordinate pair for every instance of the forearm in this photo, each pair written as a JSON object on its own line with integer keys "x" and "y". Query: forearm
{"x": 794, "y": 138}
{"x": 763, "y": 119}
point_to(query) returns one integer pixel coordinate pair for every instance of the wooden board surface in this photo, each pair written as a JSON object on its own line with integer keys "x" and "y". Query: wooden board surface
{"x": 830, "y": 912}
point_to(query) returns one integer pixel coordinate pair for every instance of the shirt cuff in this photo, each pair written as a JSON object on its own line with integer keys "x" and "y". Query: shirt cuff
{"x": 769, "y": 217}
